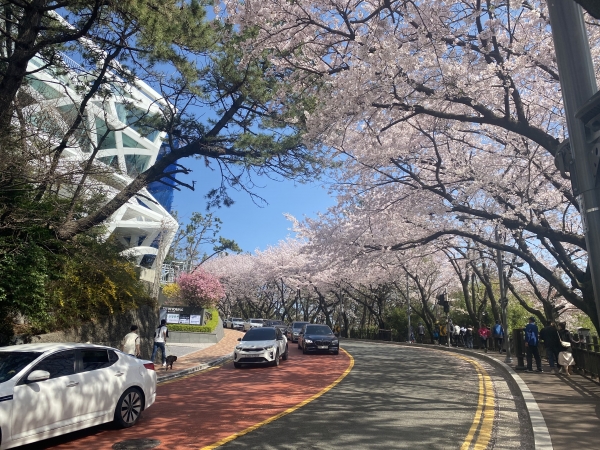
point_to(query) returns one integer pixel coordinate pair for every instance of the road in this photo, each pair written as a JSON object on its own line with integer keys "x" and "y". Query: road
{"x": 394, "y": 397}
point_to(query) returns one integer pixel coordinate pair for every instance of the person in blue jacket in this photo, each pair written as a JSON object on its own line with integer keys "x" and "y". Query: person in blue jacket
{"x": 531, "y": 345}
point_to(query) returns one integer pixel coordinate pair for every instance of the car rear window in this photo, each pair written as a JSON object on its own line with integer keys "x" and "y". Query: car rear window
{"x": 318, "y": 329}
{"x": 298, "y": 325}
{"x": 237, "y": 319}
{"x": 259, "y": 334}
{"x": 11, "y": 363}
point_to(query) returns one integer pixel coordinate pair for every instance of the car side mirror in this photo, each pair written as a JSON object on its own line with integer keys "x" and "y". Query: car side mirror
{"x": 239, "y": 339}
{"x": 38, "y": 375}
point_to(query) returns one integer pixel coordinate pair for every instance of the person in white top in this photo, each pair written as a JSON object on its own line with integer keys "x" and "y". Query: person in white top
{"x": 160, "y": 338}
{"x": 131, "y": 342}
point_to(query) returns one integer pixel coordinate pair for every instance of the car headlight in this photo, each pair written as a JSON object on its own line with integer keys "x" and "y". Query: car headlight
{"x": 239, "y": 347}
{"x": 334, "y": 342}
{"x": 308, "y": 341}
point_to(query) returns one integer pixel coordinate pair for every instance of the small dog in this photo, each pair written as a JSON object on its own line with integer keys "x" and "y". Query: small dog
{"x": 170, "y": 360}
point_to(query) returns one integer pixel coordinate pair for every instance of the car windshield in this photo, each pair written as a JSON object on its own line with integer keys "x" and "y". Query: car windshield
{"x": 318, "y": 329}
{"x": 260, "y": 334}
{"x": 299, "y": 325}
{"x": 11, "y": 363}
{"x": 255, "y": 320}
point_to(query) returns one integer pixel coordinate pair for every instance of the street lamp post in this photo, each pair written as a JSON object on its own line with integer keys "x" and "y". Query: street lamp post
{"x": 408, "y": 305}
{"x": 503, "y": 300}
{"x": 578, "y": 85}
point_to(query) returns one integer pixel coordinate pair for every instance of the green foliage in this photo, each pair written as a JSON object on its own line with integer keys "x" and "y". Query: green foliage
{"x": 209, "y": 327}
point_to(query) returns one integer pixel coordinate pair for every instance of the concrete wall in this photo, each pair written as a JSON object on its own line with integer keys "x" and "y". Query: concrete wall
{"x": 111, "y": 330}
{"x": 107, "y": 330}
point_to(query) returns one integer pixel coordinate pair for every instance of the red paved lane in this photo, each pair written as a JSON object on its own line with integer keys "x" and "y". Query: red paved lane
{"x": 200, "y": 410}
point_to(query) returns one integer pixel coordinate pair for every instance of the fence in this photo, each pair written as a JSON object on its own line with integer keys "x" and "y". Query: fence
{"x": 586, "y": 354}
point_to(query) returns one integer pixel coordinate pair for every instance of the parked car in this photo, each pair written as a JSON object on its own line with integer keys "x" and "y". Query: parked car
{"x": 265, "y": 345}
{"x": 272, "y": 323}
{"x": 51, "y": 389}
{"x": 318, "y": 338}
{"x": 253, "y": 323}
{"x": 235, "y": 323}
{"x": 294, "y": 330}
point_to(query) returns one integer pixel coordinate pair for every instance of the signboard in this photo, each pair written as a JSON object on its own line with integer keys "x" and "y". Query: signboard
{"x": 195, "y": 320}
{"x": 172, "y": 318}
{"x": 189, "y": 315}
{"x": 184, "y": 318}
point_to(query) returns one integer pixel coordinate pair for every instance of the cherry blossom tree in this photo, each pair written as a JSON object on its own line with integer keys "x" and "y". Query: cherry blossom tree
{"x": 200, "y": 288}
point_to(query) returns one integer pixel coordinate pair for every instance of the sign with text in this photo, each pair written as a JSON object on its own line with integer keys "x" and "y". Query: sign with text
{"x": 188, "y": 315}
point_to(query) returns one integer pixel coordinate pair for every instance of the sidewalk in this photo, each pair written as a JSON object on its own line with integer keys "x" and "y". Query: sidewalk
{"x": 201, "y": 359}
{"x": 570, "y": 405}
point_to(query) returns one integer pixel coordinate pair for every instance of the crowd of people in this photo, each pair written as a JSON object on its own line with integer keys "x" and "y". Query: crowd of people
{"x": 557, "y": 341}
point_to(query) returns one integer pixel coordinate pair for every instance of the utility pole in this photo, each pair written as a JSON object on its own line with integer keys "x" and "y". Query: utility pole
{"x": 408, "y": 305}
{"x": 578, "y": 84}
{"x": 503, "y": 300}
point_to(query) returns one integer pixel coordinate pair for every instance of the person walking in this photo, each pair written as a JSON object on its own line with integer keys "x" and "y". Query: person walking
{"x": 484, "y": 335}
{"x": 498, "y": 333}
{"x": 456, "y": 335}
{"x": 565, "y": 357}
{"x": 549, "y": 334}
{"x": 469, "y": 336}
{"x": 420, "y": 333}
{"x": 436, "y": 333}
{"x": 131, "y": 342}
{"x": 160, "y": 338}
{"x": 531, "y": 346}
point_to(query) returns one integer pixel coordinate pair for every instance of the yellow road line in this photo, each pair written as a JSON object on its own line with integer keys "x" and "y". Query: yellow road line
{"x": 283, "y": 413}
{"x": 484, "y": 415}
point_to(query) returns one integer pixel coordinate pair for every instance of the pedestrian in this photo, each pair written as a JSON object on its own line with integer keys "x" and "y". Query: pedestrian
{"x": 443, "y": 334}
{"x": 469, "y": 336}
{"x": 463, "y": 336}
{"x": 549, "y": 334}
{"x": 420, "y": 333}
{"x": 456, "y": 335}
{"x": 131, "y": 342}
{"x": 531, "y": 345}
{"x": 436, "y": 333}
{"x": 160, "y": 338}
{"x": 498, "y": 333}
{"x": 484, "y": 335}
{"x": 565, "y": 357}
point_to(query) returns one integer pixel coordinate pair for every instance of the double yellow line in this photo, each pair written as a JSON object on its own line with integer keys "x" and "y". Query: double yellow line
{"x": 484, "y": 416}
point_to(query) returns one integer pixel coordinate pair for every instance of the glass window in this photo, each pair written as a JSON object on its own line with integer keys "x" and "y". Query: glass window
{"x": 94, "y": 359}
{"x": 136, "y": 164}
{"x": 318, "y": 329}
{"x": 259, "y": 334}
{"x": 11, "y": 363}
{"x": 59, "y": 364}
{"x": 106, "y": 138}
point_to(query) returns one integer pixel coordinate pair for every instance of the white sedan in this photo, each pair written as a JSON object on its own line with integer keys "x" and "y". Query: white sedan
{"x": 51, "y": 389}
{"x": 253, "y": 323}
{"x": 261, "y": 346}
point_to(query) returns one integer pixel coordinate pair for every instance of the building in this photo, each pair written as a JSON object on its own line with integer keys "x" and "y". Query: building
{"x": 113, "y": 131}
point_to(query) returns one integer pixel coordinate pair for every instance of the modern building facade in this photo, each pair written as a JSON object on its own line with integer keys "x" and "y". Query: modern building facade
{"x": 113, "y": 131}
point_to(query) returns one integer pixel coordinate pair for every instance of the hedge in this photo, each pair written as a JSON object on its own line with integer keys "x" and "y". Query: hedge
{"x": 208, "y": 328}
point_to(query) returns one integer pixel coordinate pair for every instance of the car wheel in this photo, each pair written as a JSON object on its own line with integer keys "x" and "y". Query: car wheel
{"x": 129, "y": 408}
{"x": 237, "y": 365}
{"x": 304, "y": 350}
{"x": 276, "y": 360}
{"x": 286, "y": 354}
{"x": 337, "y": 352}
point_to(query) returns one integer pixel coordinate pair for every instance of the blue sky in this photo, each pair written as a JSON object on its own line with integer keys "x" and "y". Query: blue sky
{"x": 252, "y": 226}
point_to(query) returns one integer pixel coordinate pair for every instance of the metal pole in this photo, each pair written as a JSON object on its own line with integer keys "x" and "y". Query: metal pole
{"x": 408, "y": 303}
{"x": 578, "y": 84}
{"x": 447, "y": 320}
{"x": 503, "y": 300}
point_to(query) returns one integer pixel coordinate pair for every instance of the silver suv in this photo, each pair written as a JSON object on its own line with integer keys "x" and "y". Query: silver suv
{"x": 294, "y": 330}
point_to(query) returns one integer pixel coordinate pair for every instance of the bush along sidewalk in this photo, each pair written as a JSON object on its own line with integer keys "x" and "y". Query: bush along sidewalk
{"x": 208, "y": 328}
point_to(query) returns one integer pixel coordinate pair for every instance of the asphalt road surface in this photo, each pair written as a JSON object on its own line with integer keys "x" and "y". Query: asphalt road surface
{"x": 394, "y": 397}
{"x": 403, "y": 397}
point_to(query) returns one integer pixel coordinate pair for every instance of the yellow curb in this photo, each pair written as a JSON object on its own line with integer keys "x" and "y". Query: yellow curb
{"x": 283, "y": 413}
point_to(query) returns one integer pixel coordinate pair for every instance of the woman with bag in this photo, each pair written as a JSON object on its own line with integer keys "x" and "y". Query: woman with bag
{"x": 565, "y": 357}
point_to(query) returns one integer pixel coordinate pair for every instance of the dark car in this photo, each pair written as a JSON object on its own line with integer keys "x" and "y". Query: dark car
{"x": 294, "y": 331}
{"x": 318, "y": 338}
{"x": 273, "y": 323}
